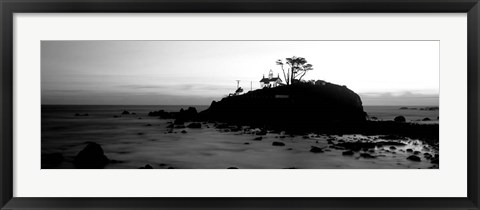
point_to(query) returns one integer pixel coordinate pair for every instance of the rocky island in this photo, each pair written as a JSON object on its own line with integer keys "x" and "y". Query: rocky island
{"x": 298, "y": 107}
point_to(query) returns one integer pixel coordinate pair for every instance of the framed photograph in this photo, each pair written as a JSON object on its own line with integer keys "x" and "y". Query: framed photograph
{"x": 315, "y": 104}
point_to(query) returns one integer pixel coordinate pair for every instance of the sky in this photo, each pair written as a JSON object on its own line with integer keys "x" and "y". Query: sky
{"x": 399, "y": 73}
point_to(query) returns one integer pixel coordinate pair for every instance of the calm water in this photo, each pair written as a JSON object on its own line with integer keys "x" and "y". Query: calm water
{"x": 135, "y": 140}
{"x": 390, "y": 112}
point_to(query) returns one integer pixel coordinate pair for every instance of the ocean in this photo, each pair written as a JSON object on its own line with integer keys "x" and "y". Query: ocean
{"x": 133, "y": 140}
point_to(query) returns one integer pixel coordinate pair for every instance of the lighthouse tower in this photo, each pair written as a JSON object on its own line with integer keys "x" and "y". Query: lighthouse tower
{"x": 270, "y": 74}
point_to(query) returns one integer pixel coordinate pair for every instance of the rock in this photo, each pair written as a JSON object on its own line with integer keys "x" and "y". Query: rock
{"x": 409, "y": 150}
{"x": 414, "y": 158}
{"x": 316, "y": 149}
{"x": 426, "y": 119}
{"x": 276, "y": 143}
{"x": 179, "y": 122}
{"x": 232, "y": 168}
{"x": 149, "y": 125}
{"x": 179, "y": 126}
{"x": 300, "y": 104}
{"x": 427, "y": 156}
{"x": 91, "y": 157}
{"x": 400, "y": 119}
{"x": 161, "y": 113}
{"x": 125, "y": 112}
{"x": 258, "y": 138}
{"x": 416, "y": 152}
{"x": 51, "y": 160}
{"x": 367, "y": 156}
{"x": 146, "y": 167}
{"x": 347, "y": 153}
{"x": 170, "y": 167}
{"x": 393, "y": 148}
{"x": 184, "y": 131}
{"x": 194, "y": 125}
{"x": 403, "y": 108}
{"x": 115, "y": 116}
{"x": 246, "y": 143}
{"x": 306, "y": 137}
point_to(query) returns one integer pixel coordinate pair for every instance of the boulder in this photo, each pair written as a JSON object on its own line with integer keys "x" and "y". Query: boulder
{"x": 194, "y": 125}
{"x": 276, "y": 143}
{"x": 414, "y": 158}
{"x": 400, "y": 119}
{"x": 91, "y": 157}
{"x": 51, "y": 160}
{"x": 125, "y": 112}
{"x": 316, "y": 149}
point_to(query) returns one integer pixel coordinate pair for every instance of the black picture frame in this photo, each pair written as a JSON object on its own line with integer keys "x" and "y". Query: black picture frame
{"x": 9, "y": 7}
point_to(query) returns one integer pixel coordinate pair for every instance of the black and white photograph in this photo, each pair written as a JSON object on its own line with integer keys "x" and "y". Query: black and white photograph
{"x": 237, "y": 104}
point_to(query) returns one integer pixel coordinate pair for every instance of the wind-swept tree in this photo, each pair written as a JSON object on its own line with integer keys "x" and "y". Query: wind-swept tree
{"x": 296, "y": 68}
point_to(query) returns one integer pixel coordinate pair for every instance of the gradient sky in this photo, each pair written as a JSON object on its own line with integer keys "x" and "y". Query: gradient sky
{"x": 197, "y": 72}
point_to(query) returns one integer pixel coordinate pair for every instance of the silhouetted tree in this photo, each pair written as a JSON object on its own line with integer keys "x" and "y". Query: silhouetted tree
{"x": 296, "y": 68}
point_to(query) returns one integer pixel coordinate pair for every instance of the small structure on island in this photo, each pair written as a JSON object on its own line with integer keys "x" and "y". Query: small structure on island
{"x": 270, "y": 81}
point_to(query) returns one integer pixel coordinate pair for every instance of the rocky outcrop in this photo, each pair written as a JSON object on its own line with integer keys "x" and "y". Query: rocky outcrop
{"x": 187, "y": 115}
{"x": 91, "y": 157}
{"x": 301, "y": 104}
{"x": 400, "y": 119}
